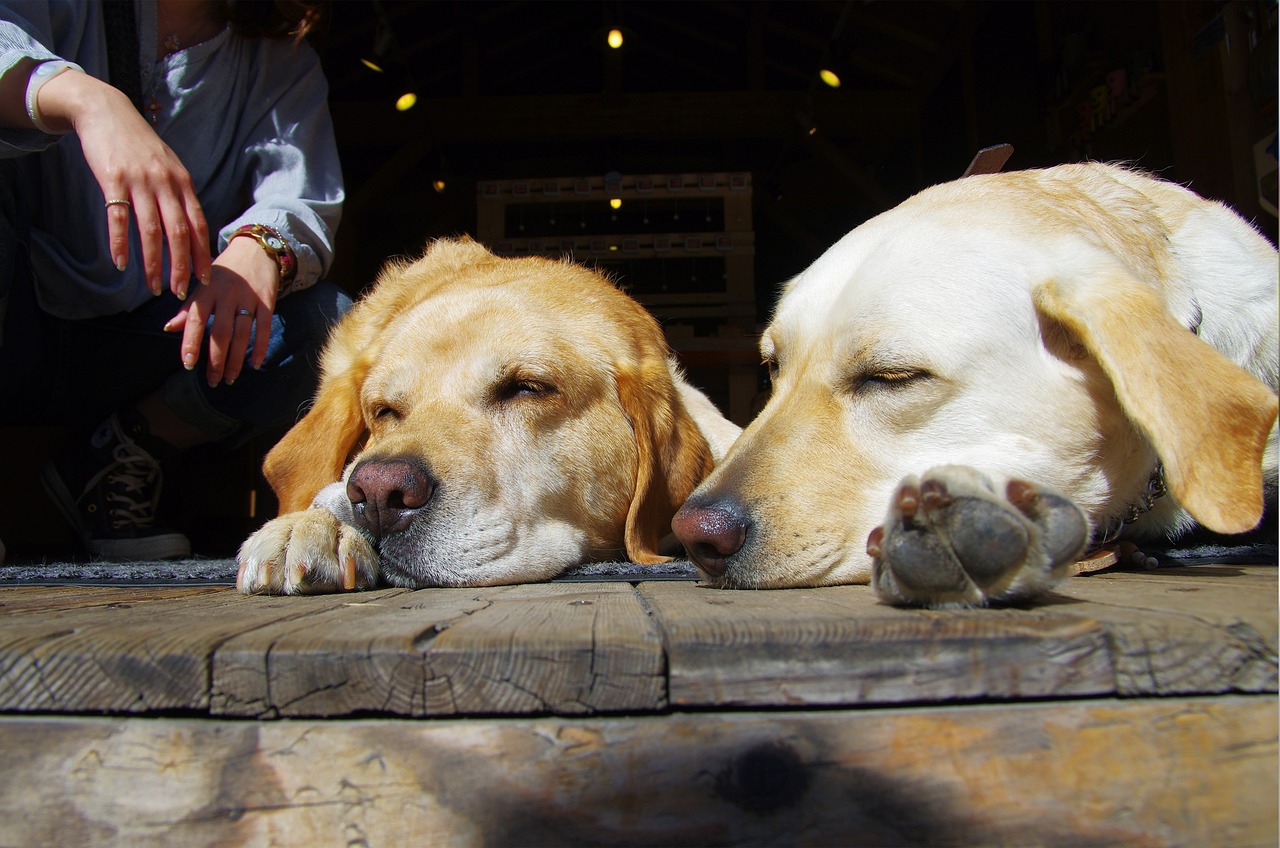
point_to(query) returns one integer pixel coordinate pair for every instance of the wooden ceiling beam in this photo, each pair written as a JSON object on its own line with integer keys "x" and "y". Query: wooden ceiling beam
{"x": 741, "y": 114}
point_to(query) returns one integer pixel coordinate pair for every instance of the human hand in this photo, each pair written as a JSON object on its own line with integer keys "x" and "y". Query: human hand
{"x": 241, "y": 296}
{"x": 130, "y": 162}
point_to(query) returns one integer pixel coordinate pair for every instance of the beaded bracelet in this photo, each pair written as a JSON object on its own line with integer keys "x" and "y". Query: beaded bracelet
{"x": 276, "y": 246}
{"x": 40, "y": 75}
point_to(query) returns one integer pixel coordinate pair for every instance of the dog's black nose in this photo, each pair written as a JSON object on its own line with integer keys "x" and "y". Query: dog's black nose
{"x": 710, "y": 533}
{"x": 386, "y": 494}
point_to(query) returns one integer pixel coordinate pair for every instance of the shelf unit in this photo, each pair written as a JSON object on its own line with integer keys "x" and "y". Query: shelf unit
{"x": 683, "y": 245}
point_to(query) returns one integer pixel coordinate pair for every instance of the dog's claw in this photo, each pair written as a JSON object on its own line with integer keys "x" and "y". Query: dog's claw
{"x": 1024, "y": 496}
{"x": 305, "y": 553}
{"x": 964, "y": 541}
{"x": 874, "y": 541}
{"x": 933, "y": 494}
{"x": 908, "y": 501}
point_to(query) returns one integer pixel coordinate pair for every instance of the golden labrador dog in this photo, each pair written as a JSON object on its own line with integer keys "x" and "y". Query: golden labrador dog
{"x": 1009, "y": 364}
{"x": 499, "y": 420}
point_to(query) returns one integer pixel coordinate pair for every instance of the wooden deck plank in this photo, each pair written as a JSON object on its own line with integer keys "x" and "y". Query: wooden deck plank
{"x": 584, "y": 648}
{"x": 142, "y": 649}
{"x": 567, "y": 649}
{"x": 1125, "y": 634}
{"x": 1178, "y": 772}
{"x": 40, "y": 600}
{"x": 1201, "y": 630}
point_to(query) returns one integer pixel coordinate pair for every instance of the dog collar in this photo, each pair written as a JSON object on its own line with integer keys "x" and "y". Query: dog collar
{"x": 1155, "y": 490}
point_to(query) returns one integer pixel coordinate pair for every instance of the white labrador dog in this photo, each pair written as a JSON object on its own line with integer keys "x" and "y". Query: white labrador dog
{"x": 1011, "y": 363}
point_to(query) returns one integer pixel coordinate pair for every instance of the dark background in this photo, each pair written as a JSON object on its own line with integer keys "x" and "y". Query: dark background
{"x": 528, "y": 90}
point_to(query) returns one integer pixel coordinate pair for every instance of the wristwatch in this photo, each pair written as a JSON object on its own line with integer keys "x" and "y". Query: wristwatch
{"x": 275, "y": 246}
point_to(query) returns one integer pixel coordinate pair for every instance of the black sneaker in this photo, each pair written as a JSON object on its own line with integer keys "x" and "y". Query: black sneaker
{"x": 109, "y": 489}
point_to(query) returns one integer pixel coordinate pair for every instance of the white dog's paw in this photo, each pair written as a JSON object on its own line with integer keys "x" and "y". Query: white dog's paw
{"x": 957, "y": 538}
{"x": 306, "y": 552}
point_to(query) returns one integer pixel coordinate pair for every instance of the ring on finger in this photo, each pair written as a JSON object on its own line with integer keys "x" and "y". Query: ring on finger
{"x": 118, "y": 202}
{"x": 240, "y": 313}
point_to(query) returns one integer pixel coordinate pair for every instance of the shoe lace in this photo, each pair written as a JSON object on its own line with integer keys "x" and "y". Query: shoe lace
{"x": 133, "y": 487}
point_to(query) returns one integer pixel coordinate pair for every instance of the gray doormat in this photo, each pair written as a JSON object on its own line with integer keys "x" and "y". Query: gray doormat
{"x": 222, "y": 572}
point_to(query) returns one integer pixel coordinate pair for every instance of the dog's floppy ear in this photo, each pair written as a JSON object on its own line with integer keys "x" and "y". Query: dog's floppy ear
{"x": 673, "y": 456}
{"x": 1207, "y": 419}
{"x": 314, "y": 452}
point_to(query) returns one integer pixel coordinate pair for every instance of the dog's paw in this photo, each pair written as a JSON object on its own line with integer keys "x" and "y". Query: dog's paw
{"x": 957, "y": 538}
{"x": 306, "y": 552}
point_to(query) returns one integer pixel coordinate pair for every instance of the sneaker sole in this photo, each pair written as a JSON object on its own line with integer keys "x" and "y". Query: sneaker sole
{"x": 166, "y": 546}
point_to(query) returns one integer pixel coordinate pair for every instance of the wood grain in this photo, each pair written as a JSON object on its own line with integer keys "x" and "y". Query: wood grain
{"x": 567, "y": 649}
{"x": 1163, "y": 772}
{"x": 126, "y": 650}
{"x": 590, "y": 648}
{"x": 1122, "y": 633}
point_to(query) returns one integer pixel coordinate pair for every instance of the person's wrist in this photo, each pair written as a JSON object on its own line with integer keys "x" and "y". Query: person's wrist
{"x": 275, "y": 246}
{"x": 41, "y": 74}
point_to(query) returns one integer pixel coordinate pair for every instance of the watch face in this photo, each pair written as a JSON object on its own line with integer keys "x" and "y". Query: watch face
{"x": 274, "y": 243}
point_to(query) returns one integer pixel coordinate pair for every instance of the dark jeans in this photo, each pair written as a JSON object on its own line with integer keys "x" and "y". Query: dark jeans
{"x": 58, "y": 371}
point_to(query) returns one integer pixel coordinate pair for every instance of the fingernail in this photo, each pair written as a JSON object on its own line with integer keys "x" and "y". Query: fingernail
{"x": 182, "y": 293}
{"x": 231, "y": 381}
{"x": 121, "y": 263}
{"x": 204, "y": 278}
{"x": 188, "y": 361}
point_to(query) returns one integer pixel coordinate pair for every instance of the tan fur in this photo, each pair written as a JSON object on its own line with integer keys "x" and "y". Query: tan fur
{"x": 1032, "y": 325}
{"x": 529, "y": 483}
{"x": 1207, "y": 419}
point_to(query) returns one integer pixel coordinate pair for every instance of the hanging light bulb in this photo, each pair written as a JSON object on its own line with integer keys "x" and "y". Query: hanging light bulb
{"x": 615, "y": 203}
{"x": 406, "y": 101}
{"x": 830, "y": 77}
{"x": 439, "y": 185}
{"x": 614, "y": 38}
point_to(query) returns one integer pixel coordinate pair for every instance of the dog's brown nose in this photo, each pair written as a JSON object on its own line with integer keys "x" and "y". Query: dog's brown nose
{"x": 386, "y": 494}
{"x": 710, "y": 533}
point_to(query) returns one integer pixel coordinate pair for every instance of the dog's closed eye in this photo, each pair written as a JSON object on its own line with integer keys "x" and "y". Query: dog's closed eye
{"x": 890, "y": 379}
{"x": 520, "y": 387}
{"x": 383, "y": 413}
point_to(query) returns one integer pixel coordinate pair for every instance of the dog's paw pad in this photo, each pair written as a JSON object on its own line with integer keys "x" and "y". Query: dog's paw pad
{"x": 957, "y": 539}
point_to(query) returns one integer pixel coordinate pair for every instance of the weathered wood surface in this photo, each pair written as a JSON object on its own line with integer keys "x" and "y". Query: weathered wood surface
{"x": 590, "y": 648}
{"x": 1205, "y": 629}
{"x": 1169, "y": 772}
{"x": 566, "y": 649}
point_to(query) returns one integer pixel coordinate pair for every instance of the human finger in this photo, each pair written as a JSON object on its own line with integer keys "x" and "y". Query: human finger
{"x": 178, "y": 321}
{"x": 118, "y": 209}
{"x": 262, "y": 337}
{"x": 201, "y": 254}
{"x": 241, "y": 328}
{"x": 197, "y": 312}
{"x": 177, "y": 231}
{"x": 219, "y": 342}
{"x": 150, "y": 233}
